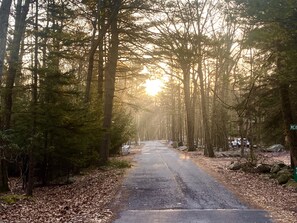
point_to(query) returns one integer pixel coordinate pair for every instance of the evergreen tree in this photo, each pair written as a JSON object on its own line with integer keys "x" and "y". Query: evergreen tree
{"x": 274, "y": 33}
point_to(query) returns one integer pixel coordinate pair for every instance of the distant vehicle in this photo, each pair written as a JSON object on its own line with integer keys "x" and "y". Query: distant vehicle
{"x": 236, "y": 142}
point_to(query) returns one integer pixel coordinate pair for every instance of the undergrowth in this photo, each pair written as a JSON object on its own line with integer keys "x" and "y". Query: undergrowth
{"x": 12, "y": 198}
{"x": 119, "y": 164}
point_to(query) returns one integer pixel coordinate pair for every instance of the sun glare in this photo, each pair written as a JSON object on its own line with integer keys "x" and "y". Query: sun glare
{"x": 153, "y": 87}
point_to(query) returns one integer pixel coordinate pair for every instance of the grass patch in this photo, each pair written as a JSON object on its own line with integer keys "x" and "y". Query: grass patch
{"x": 119, "y": 164}
{"x": 12, "y": 198}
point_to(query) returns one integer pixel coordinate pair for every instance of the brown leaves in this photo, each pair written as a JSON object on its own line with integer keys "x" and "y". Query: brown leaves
{"x": 255, "y": 189}
{"x": 83, "y": 201}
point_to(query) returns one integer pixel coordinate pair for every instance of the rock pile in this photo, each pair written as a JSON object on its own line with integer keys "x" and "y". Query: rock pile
{"x": 279, "y": 171}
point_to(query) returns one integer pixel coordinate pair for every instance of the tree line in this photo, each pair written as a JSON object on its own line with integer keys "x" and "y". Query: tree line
{"x": 61, "y": 62}
{"x": 231, "y": 73}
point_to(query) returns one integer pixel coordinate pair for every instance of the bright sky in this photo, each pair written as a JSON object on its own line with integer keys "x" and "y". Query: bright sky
{"x": 153, "y": 87}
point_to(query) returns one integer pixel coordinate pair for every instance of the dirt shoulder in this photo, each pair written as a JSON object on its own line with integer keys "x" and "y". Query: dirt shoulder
{"x": 257, "y": 190}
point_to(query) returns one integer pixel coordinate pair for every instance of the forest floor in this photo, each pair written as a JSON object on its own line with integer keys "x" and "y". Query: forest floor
{"x": 84, "y": 200}
{"x": 257, "y": 190}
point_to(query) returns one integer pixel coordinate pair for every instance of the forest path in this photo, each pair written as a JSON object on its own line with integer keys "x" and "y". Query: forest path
{"x": 166, "y": 186}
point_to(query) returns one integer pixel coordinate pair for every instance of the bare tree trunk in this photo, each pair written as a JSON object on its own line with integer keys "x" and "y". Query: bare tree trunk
{"x": 214, "y": 113}
{"x": 100, "y": 71}
{"x": 101, "y": 23}
{"x": 180, "y": 119}
{"x": 44, "y": 167}
{"x": 30, "y": 183}
{"x": 102, "y": 27}
{"x": 291, "y": 135}
{"x": 3, "y": 172}
{"x": 4, "y": 15}
{"x": 208, "y": 151}
{"x": 189, "y": 109}
{"x": 13, "y": 61}
{"x": 109, "y": 87}
{"x": 90, "y": 66}
{"x": 173, "y": 114}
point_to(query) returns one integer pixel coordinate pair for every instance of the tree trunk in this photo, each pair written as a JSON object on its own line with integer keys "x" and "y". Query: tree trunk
{"x": 180, "y": 119}
{"x": 13, "y": 61}
{"x": 3, "y": 172}
{"x": 109, "y": 87}
{"x": 4, "y": 15}
{"x": 30, "y": 183}
{"x": 208, "y": 151}
{"x": 189, "y": 110}
{"x": 100, "y": 71}
{"x": 214, "y": 113}
{"x": 102, "y": 27}
{"x": 101, "y": 23}
{"x": 90, "y": 68}
{"x": 291, "y": 135}
{"x": 173, "y": 113}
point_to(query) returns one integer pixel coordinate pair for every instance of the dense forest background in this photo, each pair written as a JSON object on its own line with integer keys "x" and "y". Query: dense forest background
{"x": 73, "y": 77}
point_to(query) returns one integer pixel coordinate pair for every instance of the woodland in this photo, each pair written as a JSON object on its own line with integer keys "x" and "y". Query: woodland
{"x": 73, "y": 75}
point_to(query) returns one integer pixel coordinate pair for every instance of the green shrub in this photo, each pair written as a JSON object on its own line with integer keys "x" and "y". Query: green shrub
{"x": 12, "y": 198}
{"x": 119, "y": 164}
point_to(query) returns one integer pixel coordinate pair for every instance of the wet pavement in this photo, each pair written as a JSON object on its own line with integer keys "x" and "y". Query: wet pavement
{"x": 166, "y": 186}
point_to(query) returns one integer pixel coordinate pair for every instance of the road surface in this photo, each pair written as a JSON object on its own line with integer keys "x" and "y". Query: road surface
{"x": 165, "y": 186}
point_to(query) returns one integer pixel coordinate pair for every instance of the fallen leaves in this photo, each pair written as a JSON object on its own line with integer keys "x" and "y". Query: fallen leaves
{"x": 256, "y": 189}
{"x": 84, "y": 200}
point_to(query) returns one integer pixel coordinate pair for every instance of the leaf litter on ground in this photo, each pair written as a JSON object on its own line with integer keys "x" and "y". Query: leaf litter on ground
{"x": 257, "y": 190}
{"x": 85, "y": 200}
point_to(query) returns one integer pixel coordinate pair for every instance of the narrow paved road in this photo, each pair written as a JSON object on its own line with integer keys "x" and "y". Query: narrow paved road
{"x": 164, "y": 187}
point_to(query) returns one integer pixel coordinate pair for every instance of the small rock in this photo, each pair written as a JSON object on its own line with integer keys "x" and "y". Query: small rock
{"x": 277, "y": 167}
{"x": 292, "y": 184}
{"x": 284, "y": 171}
{"x": 283, "y": 178}
{"x": 182, "y": 148}
{"x": 274, "y": 148}
{"x": 282, "y": 165}
{"x": 263, "y": 168}
{"x": 235, "y": 166}
{"x": 235, "y": 154}
{"x": 219, "y": 155}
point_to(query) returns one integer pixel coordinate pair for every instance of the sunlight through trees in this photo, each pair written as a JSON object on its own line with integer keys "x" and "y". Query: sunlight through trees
{"x": 80, "y": 79}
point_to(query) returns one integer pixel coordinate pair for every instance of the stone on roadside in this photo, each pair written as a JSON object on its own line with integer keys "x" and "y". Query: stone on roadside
{"x": 285, "y": 170}
{"x": 228, "y": 154}
{"x": 283, "y": 176}
{"x": 263, "y": 168}
{"x": 274, "y": 148}
{"x": 235, "y": 166}
{"x": 182, "y": 148}
{"x": 277, "y": 167}
{"x": 292, "y": 184}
